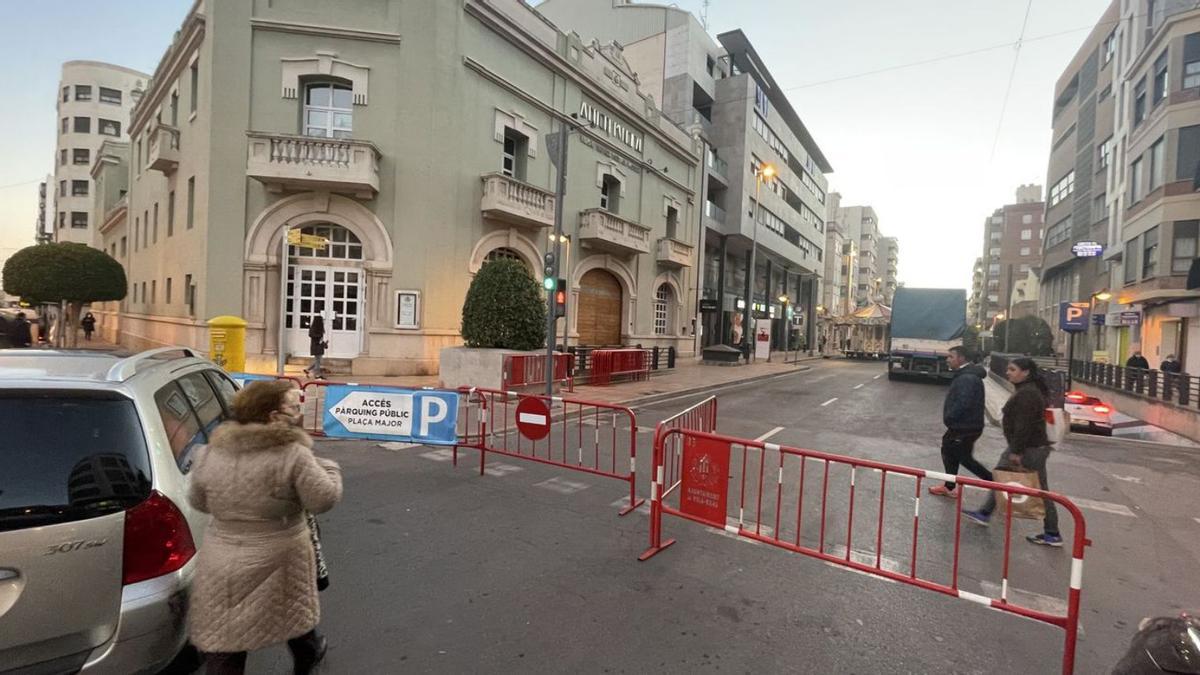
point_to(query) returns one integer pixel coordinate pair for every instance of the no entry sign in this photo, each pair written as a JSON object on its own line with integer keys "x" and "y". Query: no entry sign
{"x": 705, "y": 476}
{"x": 533, "y": 418}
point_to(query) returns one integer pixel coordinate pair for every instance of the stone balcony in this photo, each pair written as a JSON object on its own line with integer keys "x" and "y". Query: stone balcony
{"x": 610, "y": 232}
{"x": 510, "y": 200}
{"x": 163, "y": 152}
{"x": 674, "y": 253}
{"x": 292, "y": 162}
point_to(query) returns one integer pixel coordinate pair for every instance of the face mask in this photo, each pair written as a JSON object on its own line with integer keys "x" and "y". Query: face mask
{"x": 289, "y": 420}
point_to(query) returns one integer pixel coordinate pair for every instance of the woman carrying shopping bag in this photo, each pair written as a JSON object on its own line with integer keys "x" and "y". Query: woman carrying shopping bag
{"x": 1024, "y": 422}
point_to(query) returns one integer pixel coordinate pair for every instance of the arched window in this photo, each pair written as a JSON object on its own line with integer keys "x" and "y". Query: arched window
{"x": 343, "y": 244}
{"x": 328, "y": 110}
{"x": 663, "y": 299}
{"x": 505, "y": 253}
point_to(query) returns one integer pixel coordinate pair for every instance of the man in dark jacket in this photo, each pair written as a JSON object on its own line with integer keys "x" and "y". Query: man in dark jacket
{"x": 962, "y": 413}
{"x": 1138, "y": 361}
{"x": 19, "y": 334}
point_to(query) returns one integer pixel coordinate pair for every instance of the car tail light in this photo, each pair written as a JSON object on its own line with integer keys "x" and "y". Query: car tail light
{"x": 1102, "y": 409}
{"x": 158, "y": 540}
{"x": 1076, "y": 397}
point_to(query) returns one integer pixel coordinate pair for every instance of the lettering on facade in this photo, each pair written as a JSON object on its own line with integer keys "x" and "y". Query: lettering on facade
{"x": 611, "y": 126}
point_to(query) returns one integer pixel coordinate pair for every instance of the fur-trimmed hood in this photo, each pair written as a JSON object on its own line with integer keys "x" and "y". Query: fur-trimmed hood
{"x": 233, "y": 436}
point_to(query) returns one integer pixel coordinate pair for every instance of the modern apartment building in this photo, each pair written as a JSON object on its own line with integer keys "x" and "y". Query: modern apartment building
{"x": 860, "y": 226}
{"x": 1153, "y": 202}
{"x": 722, "y": 92}
{"x": 1078, "y": 175}
{"x": 1012, "y": 246}
{"x": 975, "y": 301}
{"x": 412, "y": 137}
{"x": 94, "y": 102}
{"x": 890, "y": 254}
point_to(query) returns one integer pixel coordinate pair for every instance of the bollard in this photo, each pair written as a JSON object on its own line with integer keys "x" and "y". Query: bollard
{"x": 227, "y": 343}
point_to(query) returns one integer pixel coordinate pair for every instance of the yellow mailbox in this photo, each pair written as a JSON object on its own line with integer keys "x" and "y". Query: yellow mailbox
{"x": 227, "y": 342}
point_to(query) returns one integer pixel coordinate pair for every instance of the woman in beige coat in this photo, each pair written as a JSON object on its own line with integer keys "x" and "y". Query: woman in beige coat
{"x": 256, "y": 579}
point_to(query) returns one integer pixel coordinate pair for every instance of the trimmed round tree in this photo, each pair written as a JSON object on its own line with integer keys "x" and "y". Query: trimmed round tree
{"x": 74, "y": 273}
{"x": 504, "y": 308}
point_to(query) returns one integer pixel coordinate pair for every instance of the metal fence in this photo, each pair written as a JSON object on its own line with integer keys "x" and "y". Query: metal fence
{"x": 1053, "y": 373}
{"x": 1176, "y": 388}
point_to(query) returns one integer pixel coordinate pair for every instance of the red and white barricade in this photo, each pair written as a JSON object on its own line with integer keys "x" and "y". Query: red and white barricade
{"x": 607, "y": 364}
{"x": 523, "y": 370}
{"x": 586, "y": 436}
{"x": 694, "y": 473}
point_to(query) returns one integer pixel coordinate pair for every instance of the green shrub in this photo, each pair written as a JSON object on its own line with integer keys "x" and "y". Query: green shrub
{"x": 504, "y": 308}
{"x": 64, "y": 271}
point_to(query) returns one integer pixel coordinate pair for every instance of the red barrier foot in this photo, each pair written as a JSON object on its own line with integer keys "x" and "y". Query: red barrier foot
{"x": 628, "y": 509}
{"x": 654, "y": 550}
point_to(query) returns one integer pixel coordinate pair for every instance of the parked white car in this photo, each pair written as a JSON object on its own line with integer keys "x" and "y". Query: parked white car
{"x": 1089, "y": 411}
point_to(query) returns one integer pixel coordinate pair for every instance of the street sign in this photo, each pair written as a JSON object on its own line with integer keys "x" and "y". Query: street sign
{"x": 1132, "y": 318}
{"x": 704, "y": 491}
{"x": 1098, "y": 319}
{"x": 553, "y": 141}
{"x": 708, "y": 305}
{"x": 1087, "y": 249}
{"x": 533, "y": 418}
{"x": 297, "y": 238}
{"x": 1073, "y": 316}
{"x": 390, "y": 414}
{"x": 762, "y": 338}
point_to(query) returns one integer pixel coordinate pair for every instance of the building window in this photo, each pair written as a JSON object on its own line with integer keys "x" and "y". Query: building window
{"x": 1139, "y": 102}
{"x": 81, "y": 156}
{"x": 195, "y": 87}
{"x": 1135, "y": 181}
{"x": 137, "y": 230}
{"x": 62, "y": 188}
{"x": 1187, "y": 155}
{"x": 144, "y": 296}
{"x": 124, "y": 247}
{"x": 109, "y": 127}
{"x": 1131, "y": 261}
{"x": 1024, "y": 268}
{"x": 343, "y": 244}
{"x": 156, "y": 222}
{"x": 83, "y": 92}
{"x": 191, "y": 202}
{"x": 138, "y": 152}
{"x": 1160, "y": 78}
{"x": 504, "y": 253}
{"x": 154, "y": 292}
{"x": 1156, "y": 164}
{"x": 1099, "y": 208}
{"x": 171, "y": 213}
{"x": 610, "y": 193}
{"x": 663, "y": 299}
{"x": 1150, "y": 253}
{"x": 66, "y": 124}
{"x": 66, "y": 94}
{"x": 62, "y": 219}
{"x": 168, "y": 290}
{"x": 62, "y": 157}
{"x": 1191, "y": 61}
{"x": 1024, "y": 250}
{"x": 994, "y": 251}
{"x": 516, "y": 149}
{"x": 1058, "y": 233}
{"x": 1062, "y": 189}
{"x": 1026, "y": 235}
{"x": 1183, "y": 246}
{"x": 189, "y": 294}
{"x": 1027, "y": 218}
{"x": 1104, "y": 151}
{"x": 174, "y": 108}
{"x": 672, "y": 222}
{"x": 146, "y": 228}
{"x": 1110, "y": 47}
{"x": 328, "y": 110}
{"x": 135, "y": 292}
{"x": 110, "y": 95}
{"x": 994, "y": 269}
{"x": 79, "y": 220}
{"x": 83, "y": 125}
{"x": 79, "y": 188}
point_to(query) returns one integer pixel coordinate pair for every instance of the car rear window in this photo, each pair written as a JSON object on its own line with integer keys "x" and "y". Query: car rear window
{"x": 69, "y": 456}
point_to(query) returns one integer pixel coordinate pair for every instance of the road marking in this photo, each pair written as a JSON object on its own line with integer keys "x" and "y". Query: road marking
{"x": 858, "y": 386}
{"x": 877, "y": 377}
{"x": 1106, "y": 507}
{"x": 769, "y": 434}
{"x": 500, "y": 470}
{"x": 398, "y": 446}
{"x": 562, "y": 486}
{"x": 1036, "y": 601}
{"x": 440, "y": 455}
{"x": 1129, "y": 479}
{"x": 1167, "y": 461}
{"x": 1196, "y": 519}
{"x": 621, "y": 503}
{"x": 829, "y": 401}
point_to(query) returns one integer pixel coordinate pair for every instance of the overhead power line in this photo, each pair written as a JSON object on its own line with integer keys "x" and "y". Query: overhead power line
{"x": 1012, "y": 73}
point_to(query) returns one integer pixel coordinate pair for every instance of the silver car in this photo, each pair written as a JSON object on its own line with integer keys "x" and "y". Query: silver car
{"x": 97, "y": 540}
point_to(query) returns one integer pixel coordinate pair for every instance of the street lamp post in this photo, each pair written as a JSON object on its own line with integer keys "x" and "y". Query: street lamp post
{"x": 763, "y": 172}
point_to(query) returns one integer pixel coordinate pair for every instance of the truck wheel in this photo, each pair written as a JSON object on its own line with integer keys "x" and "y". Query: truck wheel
{"x": 891, "y": 375}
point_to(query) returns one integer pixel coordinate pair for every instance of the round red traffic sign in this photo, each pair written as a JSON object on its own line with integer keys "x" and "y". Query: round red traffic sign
{"x": 533, "y": 418}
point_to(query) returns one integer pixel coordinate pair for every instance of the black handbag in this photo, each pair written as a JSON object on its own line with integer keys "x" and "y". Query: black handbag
{"x": 314, "y": 530}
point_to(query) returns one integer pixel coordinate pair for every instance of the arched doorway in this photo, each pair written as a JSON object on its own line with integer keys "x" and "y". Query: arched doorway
{"x": 599, "y": 320}
{"x": 506, "y": 253}
{"x": 329, "y": 283}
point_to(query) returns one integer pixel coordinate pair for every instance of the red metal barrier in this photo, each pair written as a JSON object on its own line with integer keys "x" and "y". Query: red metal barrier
{"x": 585, "y": 436}
{"x": 522, "y": 370}
{"x": 707, "y": 476}
{"x": 610, "y": 363}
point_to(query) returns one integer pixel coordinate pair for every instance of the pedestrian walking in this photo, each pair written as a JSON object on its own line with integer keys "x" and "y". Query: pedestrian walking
{"x": 962, "y": 413}
{"x": 1171, "y": 368}
{"x": 1138, "y": 361}
{"x": 89, "y": 326}
{"x": 316, "y": 347}
{"x": 256, "y": 574}
{"x": 1024, "y": 423}
{"x": 1171, "y": 365}
{"x": 19, "y": 333}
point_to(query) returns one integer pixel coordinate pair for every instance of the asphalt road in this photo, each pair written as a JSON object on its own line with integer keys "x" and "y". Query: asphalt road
{"x": 528, "y": 568}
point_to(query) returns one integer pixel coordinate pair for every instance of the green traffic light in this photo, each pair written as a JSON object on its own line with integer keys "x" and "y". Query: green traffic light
{"x": 549, "y": 283}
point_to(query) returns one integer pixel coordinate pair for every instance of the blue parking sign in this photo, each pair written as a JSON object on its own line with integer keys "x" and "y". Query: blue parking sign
{"x": 1073, "y": 317}
{"x": 391, "y": 414}
{"x": 242, "y": 378}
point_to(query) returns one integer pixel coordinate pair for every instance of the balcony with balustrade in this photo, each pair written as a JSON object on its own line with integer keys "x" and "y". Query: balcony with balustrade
{"x": 609, "y": 232}
{"x": 516, "y": 202}
{"x": 674, "y": 253}
{"x": 292, "y": 162}
{"x": 163, "y": 152}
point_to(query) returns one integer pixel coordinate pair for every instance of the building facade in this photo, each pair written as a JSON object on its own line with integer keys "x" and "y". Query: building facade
{"x": 94, "y": 103}
{"x": 860, "y": 226}
{"x": 975, "y": 301}
{"x": 412, "y": 138}
{"x": 723, "y": 94}
{"x": 890, "y": 247}
{"x": 1153, "y": 203}
{"x": 1012, "y": 246}
{"x": 1078, "y": 175}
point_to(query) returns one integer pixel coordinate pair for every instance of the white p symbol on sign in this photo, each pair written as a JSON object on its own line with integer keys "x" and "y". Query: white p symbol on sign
{"x": 433, "y": 410}
{"x": 1074, "y": 313}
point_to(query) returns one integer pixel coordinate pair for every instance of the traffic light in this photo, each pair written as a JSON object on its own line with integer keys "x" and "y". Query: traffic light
{"x": 550, "y": 270}
{"x": 560, "y": 298}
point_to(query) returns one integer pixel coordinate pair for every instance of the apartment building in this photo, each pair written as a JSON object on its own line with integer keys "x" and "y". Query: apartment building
{"x": 975, "y": 300}
{"x": 412, "y": 138}
{"x": 890, "y": 254}
{"x": 94, "y": 103}
{"x": 861, "y": 227}
{"x": 1153, "y": 202}
{"x": 1012, "y": 246}
{"x": 722, "y": 92}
